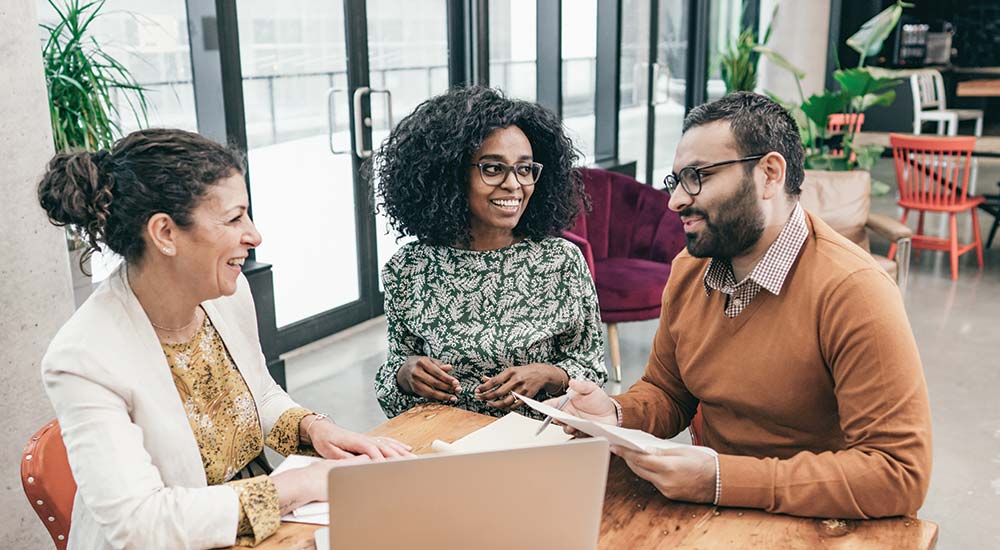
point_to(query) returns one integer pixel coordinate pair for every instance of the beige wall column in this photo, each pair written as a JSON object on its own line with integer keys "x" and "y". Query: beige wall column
{"x": 801, "y": 35}
{"x": 35, "y": 287}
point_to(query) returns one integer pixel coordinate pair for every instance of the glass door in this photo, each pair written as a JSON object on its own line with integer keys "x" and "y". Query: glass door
{"x": 294, "y": 61}
{"x": 324, "y": 80}
{"x": 669, "y": 86}
{"x": 407, "y": 46}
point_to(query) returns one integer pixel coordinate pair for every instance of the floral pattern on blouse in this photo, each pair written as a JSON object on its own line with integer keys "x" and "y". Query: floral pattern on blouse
{"x": 484, "y": 311}
{"x": 223, "y": 416}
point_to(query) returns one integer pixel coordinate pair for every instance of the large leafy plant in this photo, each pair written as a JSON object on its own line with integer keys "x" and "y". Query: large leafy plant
{"x": 80, "y": 76}
{"x": 858, "y": 90}
{"x": 738, "y": 64}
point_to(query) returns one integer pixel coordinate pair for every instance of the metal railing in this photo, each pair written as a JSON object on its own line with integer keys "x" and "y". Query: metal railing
{"x": 579, "y": 89}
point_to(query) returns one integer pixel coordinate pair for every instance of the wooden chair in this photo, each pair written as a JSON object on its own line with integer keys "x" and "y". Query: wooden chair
{"x": 48, "y": 482}
{"x": 933, "y": 176}
{"x": 929, "y": 105}
{"x": 843, "y": 201}
{"x": 845, "y": 123}
{"x": 991, "y": 205}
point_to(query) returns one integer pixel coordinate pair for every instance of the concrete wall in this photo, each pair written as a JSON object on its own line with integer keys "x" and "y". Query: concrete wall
{"x": 35, "y": 285}
{"x": 801, "y": 35}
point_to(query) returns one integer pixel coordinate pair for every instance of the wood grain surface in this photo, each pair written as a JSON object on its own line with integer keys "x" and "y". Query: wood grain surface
{"x": 637, "y": 516}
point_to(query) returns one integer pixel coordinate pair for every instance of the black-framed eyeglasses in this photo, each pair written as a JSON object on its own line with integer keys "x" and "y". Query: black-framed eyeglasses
{"x": 690, "y": 177}
{"x": 495, "y": 173}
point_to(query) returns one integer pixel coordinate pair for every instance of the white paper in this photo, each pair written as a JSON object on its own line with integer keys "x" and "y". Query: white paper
{"x": 636, "y": 440}
{"x": 314, "y": 512}
{"x": 512, "y": 431}
{"x": 322, "y": 538}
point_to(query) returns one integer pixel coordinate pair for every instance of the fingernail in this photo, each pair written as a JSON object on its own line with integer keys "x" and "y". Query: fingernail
{"x": 453, "y": 400}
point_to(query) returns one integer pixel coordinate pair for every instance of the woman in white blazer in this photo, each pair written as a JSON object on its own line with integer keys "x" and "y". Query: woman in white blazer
{"x": 158, "y": 380}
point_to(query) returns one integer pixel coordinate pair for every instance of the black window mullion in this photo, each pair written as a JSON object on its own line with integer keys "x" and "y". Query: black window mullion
{"x": 548, "y": 68}
{"x": 607, "y": 89}
{"x": 356, "y": 38}
{"x": 458, "y": 65}
{"x": 654, "y": 41}
{"x": 696, "y": 79}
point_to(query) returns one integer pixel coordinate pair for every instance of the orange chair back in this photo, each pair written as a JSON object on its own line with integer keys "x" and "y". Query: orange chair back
{"x": 932, "y": 170}
{"x": 837, "y": 123}
{"x": 48, "y": 481}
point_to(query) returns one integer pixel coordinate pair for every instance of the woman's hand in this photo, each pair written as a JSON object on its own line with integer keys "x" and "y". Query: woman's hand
{"x": 526, "y": 380}
{"x": 301, "y": 486}
{"x": 333, "y": 441}
{"x": 428, "y": 377}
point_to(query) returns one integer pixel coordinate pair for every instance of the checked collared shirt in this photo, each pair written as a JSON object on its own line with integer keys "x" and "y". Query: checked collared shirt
{"x": 770, "y": 272}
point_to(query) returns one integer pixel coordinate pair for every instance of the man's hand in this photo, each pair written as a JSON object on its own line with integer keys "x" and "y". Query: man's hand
{"x": 680, "y": 474}
{"x": 590, "y": 402}
{"x": 428, "y": 377}
{"x": 526, "y": 380}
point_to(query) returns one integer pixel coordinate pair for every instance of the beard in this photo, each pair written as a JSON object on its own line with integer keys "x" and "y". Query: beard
{"x": 736, "y": 227}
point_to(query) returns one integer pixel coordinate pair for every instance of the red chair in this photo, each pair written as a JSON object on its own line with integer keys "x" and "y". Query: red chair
{"x": 48, "y": 482}
{"x": 837, "y": 122}
{"x": 933, "y": 176}
{"x": 629, "y": 239}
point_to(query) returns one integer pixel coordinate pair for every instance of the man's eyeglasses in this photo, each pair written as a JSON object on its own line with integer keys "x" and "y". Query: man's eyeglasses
{"x": 690, "y": 177}
{"x": 495, "y": 173}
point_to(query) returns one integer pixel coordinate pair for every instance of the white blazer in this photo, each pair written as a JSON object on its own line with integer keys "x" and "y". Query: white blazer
{"x": 139, "y": 474}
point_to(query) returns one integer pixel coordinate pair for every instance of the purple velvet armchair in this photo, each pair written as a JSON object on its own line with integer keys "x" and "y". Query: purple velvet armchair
{"x": 629, "y": 239}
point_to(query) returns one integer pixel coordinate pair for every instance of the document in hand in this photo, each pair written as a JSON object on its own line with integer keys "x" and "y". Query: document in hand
{"x": 636, "y": 440}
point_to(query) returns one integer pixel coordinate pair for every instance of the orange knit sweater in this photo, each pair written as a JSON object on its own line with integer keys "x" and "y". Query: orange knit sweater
{"x": 815, "y": 398}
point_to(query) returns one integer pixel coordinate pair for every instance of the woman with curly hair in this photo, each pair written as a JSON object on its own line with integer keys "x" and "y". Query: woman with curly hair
{"x": 163, "y": 396}
{"x": 487, "y": 301}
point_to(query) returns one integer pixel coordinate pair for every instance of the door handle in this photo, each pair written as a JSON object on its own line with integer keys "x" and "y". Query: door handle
{"x": 366, "y": 122}
{"x": 331, "y": 119}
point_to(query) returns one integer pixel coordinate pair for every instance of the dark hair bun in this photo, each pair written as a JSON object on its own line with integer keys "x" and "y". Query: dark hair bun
{"x": 77, "y": 191}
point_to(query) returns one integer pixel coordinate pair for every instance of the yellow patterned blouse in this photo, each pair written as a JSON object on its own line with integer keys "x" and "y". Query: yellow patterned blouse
{"x": 223, "y": 417}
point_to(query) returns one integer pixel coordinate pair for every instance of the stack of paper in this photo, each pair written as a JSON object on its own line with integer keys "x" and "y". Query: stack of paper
{"x": 510, "y": 432}
{"x": 636, "y": 440}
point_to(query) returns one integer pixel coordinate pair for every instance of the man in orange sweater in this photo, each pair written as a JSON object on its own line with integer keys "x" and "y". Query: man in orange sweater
{"x": 792, "y": 339}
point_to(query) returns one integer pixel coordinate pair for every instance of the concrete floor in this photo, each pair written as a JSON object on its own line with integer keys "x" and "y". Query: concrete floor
{"x": 956, "y": 325}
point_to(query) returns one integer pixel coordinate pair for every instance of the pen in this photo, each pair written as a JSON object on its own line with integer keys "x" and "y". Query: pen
{"x": 559, "y": 406}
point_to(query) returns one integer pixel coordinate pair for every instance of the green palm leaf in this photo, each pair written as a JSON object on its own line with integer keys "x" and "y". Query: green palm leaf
{"x": 81, "y": 78}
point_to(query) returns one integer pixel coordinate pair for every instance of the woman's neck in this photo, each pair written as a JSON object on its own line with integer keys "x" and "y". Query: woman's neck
{"x": 165, "y": 302}
{"x": 491, "y": 239}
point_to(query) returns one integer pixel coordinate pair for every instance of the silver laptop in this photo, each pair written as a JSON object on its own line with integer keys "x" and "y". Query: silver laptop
{"x": 536, "y": 497}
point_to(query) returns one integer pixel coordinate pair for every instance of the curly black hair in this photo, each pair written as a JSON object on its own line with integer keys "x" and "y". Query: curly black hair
{"x": 422, "y": 167}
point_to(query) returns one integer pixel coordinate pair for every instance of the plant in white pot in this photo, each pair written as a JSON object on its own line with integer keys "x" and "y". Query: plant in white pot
{"x": 81, "y": 78}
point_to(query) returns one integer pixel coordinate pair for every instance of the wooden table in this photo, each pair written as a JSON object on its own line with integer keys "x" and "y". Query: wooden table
{"x": 983, "y": 87}
{"x": 986, "y": 146}
{"x": 637, "y": 516}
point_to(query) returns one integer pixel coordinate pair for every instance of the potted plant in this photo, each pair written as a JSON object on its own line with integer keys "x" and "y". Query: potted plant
{"x": 858, "y": 91}
{"x": 80, "y": 77}
{"x": 738, "y": 64}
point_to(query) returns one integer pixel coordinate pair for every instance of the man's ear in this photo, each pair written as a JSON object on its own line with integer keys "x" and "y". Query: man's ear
{"x": 773, "y": 165}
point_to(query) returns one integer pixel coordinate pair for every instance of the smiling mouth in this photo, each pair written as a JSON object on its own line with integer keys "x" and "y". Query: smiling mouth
{"x": 511, "y": 205}
{"x": 236, "y": 262}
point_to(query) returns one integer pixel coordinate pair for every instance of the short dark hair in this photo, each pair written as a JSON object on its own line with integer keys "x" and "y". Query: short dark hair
{"x": 759, "y": 125}
{"x": 422, "y": 168}
{"x": 108, "y": 196}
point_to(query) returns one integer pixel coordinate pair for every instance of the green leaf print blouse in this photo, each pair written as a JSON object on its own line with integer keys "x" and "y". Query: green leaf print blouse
{"x": 484, "y": 311}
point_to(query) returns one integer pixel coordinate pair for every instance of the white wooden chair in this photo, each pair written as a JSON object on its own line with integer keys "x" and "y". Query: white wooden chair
{"x": 929, "y": 105}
